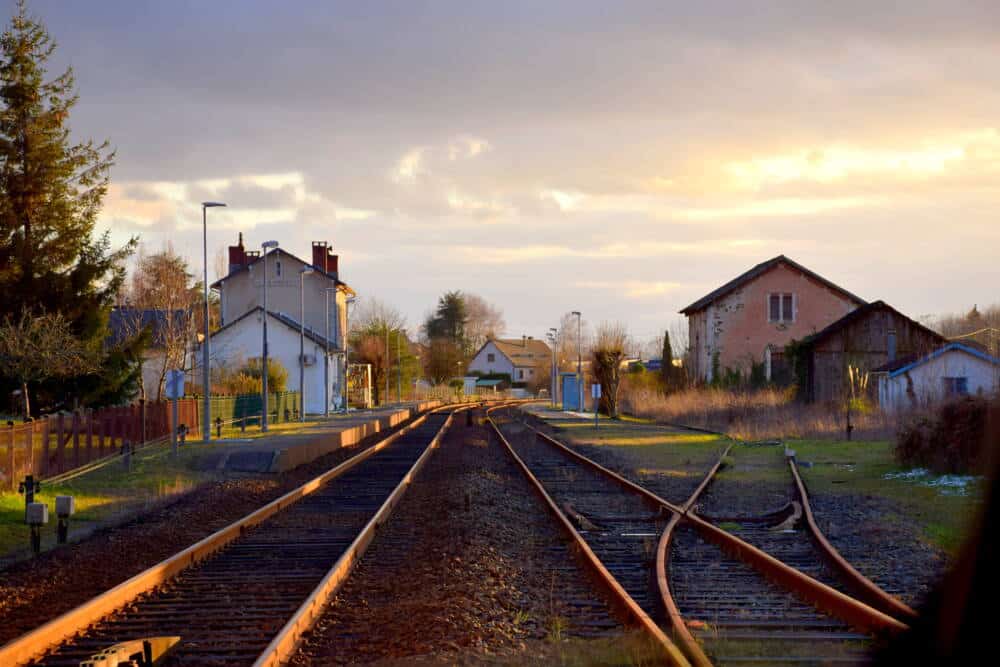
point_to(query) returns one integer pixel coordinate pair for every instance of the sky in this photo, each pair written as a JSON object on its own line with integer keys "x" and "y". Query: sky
{"x": 621, "y": 159}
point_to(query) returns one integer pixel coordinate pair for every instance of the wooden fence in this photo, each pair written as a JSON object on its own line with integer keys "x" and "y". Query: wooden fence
{"x": 57, "y": 443}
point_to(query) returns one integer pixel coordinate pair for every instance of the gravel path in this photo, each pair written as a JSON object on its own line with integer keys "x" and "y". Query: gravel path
{"x": 470, "y": 569}
{"x": 35, "y": 591}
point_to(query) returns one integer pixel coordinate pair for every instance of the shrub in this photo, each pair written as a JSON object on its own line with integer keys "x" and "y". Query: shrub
{"x": 950, "y": 440}
{"x": 247, "y": 379}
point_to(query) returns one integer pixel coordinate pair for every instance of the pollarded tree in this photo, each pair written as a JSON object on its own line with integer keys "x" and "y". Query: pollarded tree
{"x": 607, "y": 356}
{"x": 51, "y": 192}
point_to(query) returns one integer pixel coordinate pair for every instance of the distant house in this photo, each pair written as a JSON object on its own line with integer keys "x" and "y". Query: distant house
{"x": 168, "y": 328}
{"x": 525, "y": 360}
{"x": 955, "y": 369}
{"x": 750, "y": 319}
{"x": 866, "y": 338}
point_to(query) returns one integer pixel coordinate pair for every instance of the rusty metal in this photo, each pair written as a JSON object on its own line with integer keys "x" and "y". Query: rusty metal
{"x": 51, "y": 634}
{"x": 850, "y": 610}
{"x": 285, "y": 643}
{"x": 863, "y": 587}
{"x": 623, "y": 600}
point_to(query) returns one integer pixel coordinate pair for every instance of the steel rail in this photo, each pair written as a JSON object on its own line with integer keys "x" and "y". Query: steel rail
{"x": 829, "y": 600}
{"x": 52, "y": 633}
{"x": 287, "y": 641}
{"x": 864, "y": 587}
{"x": 680, "y": 629}
{"x": 621, "y": 597}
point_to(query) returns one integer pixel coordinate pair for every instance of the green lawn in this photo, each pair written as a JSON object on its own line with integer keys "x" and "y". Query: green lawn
{"x": 861, "y": 468}
{"x": 103, "y": 494}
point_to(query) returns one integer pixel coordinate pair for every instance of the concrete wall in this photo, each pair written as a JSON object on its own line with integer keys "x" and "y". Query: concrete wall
{"x": 926, "y": 380}
{"x": 231, "y": 347}
{"x": 736, "y": 326}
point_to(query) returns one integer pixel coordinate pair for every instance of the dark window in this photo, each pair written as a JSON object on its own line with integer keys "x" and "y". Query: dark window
{"x": 490, "y": 357}
{"x": 277, "y": 268}
{"x": 956, "y": 386}
{"x": 520, "y": 375}
{"x": 780, "y": 308}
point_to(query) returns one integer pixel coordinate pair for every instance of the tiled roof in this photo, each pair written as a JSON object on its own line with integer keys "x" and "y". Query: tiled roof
{"x": 759, "y": 270}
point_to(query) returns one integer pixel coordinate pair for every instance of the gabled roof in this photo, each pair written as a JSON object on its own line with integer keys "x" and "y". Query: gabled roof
{"x": 283, "y": 318}
{"x": 519, "y": 351}
{"x": 126, "y": 321}
{"x": 218, "y": 283}
{"x": 760, "y": 270}
{"x": 861, "y": 312}
{"x": 957, "y": 347}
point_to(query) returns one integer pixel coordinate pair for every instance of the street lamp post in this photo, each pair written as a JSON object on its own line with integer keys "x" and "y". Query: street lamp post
{"x": 265, "y": 246}
{"x": 206, "y": 427}
{"x": 302, "y": 341}
{"x": 399, "y": 371}
{"x": 326, "y": 361}
{"x": 553, "y": 333}
{"x": 347, "y": 334}
{"x": 579, "y": 358}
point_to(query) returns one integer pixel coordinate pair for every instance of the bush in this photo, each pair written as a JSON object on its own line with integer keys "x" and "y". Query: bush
{"x": 950, "y": 440}
{"x": 247, "y": 380}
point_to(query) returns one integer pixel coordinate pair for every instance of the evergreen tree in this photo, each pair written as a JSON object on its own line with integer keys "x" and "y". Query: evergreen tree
{"x": 668, "y": 372}
{"x": 449, "y": 320}
{"x": 51, "y": 192}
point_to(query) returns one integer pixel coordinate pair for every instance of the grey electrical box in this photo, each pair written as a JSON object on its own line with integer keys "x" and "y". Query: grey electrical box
{"x": 65, "y": 506}
{"x": 37, "y": 514}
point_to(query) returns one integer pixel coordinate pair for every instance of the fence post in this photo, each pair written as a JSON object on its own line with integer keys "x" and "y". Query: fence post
{"x": 60, "y": 442}
{"x": 11, "y": 469}
{"x": 76, "y": 438}
{"x": 101, "y": 420}
{"x": 45, "y": 447}
{"x": 90, "y": 434}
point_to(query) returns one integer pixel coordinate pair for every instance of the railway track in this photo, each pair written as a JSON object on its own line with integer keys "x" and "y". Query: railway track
{"x": 726, "y": 601}
{"x": 245, "y": 594}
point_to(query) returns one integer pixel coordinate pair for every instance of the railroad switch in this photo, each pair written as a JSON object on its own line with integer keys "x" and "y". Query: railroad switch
{"x": 37, "y": 516}
{"x": 138, "y": 653}
{"x": 65, "y": 508}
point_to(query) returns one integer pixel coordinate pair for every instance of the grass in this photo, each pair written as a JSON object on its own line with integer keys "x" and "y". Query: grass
{"x": 107, "y": 493}
{"x": 859, "y": 468}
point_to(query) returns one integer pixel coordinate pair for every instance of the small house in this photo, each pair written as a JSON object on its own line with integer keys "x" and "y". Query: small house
{"x": 955, "y": 369}
{"x": 526, "y": 360}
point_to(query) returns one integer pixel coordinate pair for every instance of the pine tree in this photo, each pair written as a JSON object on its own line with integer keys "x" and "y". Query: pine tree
{"x": 51, "y": 192}
{"x": 667, "y": 363}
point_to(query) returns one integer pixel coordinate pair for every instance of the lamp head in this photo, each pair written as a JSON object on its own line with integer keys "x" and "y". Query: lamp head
{"x": 269, "y": 244}
{"x": 211, "y": 204}
{"x": 306, "y": 270}
{"x": 576, "y": 312}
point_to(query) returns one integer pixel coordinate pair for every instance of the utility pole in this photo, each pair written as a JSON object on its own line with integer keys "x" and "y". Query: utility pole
{"x": 263, "y": 357}
{"x": 302, "y": 341}
{"x": 206, "y": 428}
{"x": 399, "y": 371}
{"x": 579, "y": 358}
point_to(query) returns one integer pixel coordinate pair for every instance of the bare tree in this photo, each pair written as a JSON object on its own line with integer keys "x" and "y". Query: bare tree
{"x": 607, "y": 355}
{"x": 163, "y": 293}
{"x": 34, "y": 348}
{"x": 483, "y": 321}
{"x": 567, "y": 347}
{"x": 371, "y": 313}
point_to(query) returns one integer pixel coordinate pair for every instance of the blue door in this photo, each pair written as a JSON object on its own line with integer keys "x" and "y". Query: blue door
{"x": 570, "y": 392}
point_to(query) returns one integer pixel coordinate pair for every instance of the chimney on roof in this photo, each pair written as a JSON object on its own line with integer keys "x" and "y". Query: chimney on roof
{"x": 237, "y": 256}
{"x": 320, "y": 250}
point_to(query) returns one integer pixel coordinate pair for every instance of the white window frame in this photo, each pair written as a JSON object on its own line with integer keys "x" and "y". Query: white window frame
{"x": 781, "y": 307}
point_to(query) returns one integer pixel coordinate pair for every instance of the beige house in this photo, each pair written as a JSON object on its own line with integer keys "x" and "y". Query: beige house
{"x": 241, "y": 292}
{"x": 525, "y": 359}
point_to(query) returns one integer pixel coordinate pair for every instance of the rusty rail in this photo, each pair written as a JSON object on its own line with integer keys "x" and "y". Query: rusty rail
{"x": 848, "y": 609}
{"x": 862, "y": 585}
{"x": 622, "y": 599}
{"x": 38, "y": 641}
{"x": 287, "y": 641}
